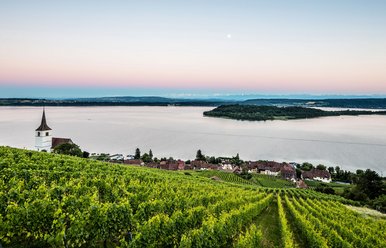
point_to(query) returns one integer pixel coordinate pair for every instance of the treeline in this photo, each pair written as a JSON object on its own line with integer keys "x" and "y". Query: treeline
{"x": 107, "y": 102}
{"x": 263, "y": 113}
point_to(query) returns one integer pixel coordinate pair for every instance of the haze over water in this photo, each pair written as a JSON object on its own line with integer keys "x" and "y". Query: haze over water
{"x": 351, "y": 142}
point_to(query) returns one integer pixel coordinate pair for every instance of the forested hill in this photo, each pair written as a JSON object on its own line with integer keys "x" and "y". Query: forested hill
{"x": 263, "y": 113}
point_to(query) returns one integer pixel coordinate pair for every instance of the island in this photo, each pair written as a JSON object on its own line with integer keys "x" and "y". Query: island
{"x": 263, "y": 113}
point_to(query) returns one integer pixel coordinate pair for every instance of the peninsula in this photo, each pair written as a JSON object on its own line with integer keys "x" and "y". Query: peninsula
{"x": 264, "y": 113}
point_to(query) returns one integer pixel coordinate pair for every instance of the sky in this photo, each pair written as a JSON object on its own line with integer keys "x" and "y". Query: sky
{"x": 93, "y": 48}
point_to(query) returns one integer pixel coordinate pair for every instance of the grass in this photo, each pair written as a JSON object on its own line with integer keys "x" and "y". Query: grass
{"x": 272, "y": 181}
{"x": 338, "y": 187}
{"x": 268, "y": 222}
{"x": 367, "y": 212}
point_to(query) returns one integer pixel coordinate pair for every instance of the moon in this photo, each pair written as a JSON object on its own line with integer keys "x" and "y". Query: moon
{"x": 229, "y": 36}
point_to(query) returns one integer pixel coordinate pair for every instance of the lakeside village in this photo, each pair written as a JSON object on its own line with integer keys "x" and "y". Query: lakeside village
{"x": 297, "y": 173}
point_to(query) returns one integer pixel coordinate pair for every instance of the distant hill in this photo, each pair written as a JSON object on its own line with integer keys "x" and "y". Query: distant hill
{"x": 370, "y": 103}
{"x": 111, "y": 101}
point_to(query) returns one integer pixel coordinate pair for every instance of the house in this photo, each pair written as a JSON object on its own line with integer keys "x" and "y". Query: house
{"x": 181, "y": 164}
{"x": 172, "y": 165}
{"x": 214, "y": 166}
{"x": 153, "y": 165}
{"x": 270, "y": 168}
{"x": 133, "y": 162}
{"x": 188, "y": 167}
{"x": 116, "y": 157}
{"x": 199, "y": 165}
{"x": 237, "y": 170}
{"x": 227, "y": 166}
{"x": 318, "y": 175}
{"x": 288, "y": 172}
{"x": 130, "y": 156}
{"x": 60, "y": 141}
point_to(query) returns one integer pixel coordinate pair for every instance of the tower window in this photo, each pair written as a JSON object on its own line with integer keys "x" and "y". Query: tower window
{"x": 38, "y": 133}
{"x": 46, "y": 133}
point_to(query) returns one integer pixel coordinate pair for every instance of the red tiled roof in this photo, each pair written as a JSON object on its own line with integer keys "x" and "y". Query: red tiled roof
{"x": 133, "y": 161}
{"x": 60, "y": 141}
{"x": 316, "y": 173}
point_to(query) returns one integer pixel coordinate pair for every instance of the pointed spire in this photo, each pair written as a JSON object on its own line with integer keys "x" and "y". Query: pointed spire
{"x": 43, "y": 125}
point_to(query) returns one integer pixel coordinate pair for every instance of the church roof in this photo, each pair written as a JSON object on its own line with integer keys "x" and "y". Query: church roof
{"x": 59, "y": 141}
{"x": 43, "y": 125}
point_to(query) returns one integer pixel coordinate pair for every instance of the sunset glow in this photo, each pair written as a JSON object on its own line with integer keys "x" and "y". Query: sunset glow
{"x": 252, "y": 46}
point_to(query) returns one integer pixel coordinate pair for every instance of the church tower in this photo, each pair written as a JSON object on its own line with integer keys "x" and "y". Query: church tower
{"x": 43, "y": 135}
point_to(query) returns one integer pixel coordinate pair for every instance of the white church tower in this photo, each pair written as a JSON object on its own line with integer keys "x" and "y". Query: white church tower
{"x": 43, "y": 135}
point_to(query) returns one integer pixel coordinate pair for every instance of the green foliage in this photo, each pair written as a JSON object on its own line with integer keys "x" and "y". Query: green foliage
{"x": 251, "y": 238}
{"x": 137, "y": 154}
{"x": 200, "y": 156}
{"x": 225, "y": 176}
{"x": 146, "y": 158}
{"x": 272, "y": 181}
{"x": 324, "y": 188}
{"x": 287, "y": 237}
{"x": 305, "y": 166}
{"x": 51, "y": 200}
{"x": 369, "y": 185}
{"x": 69, "y": 149}
{"x": 321, "y": 167}
{"x": 379, "y": 203}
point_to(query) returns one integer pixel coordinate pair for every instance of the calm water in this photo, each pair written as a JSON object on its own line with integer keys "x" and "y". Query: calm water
{"x": 350, "y": 142}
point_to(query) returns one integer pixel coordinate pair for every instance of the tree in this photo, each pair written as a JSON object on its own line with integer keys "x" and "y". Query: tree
{"x": 212, "y": 160}
{"x": 371, "y": 184}
{"x": 146, "y": 158}
{"x": 237, "y": 157}
{"x": 236, "y": 160}
{"x": 380, "y": 203}
{"x": 86, "y": 154}
{"x": 137, "y": 154}
{"x": 321, "y": 167}
{"x": 151, "y": 154}
{"x": 306, "y": 166}
{"x": 200, "y": 156}
{"x": 324, "y": 188}
{"x": 331, "y": 170}
{"x": 69, "y": 149}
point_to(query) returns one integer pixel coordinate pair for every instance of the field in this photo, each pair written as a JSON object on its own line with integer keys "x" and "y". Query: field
{"x": 256, "y": 180}
{"x": 49, "y": 200}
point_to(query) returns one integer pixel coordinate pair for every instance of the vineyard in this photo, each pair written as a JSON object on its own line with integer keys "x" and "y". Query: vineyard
{"x": 256, "y": 180}
{"x": 51, "y": 200}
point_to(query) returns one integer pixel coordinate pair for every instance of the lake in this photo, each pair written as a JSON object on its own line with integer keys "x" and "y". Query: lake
{"x": 350, "y": 142}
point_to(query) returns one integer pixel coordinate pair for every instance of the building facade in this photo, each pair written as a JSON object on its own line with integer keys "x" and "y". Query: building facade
{"x": 43, "y": 136}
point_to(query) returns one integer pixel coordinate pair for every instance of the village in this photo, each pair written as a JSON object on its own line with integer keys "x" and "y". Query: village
{"x": 283, "y": 170}
{"x": 44, "y": 141}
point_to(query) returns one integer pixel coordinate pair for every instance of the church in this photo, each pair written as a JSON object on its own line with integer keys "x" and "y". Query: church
{"x": 43, "y": 137}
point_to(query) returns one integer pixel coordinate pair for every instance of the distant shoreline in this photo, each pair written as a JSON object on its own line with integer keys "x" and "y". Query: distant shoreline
{"x": 364, "y": 103}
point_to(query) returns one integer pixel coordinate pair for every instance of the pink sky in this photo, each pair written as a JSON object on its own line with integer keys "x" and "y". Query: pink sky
{"x": 253, "y": 46}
